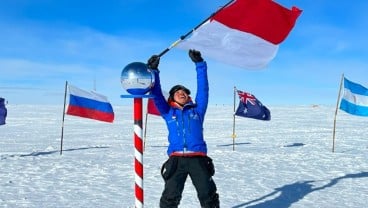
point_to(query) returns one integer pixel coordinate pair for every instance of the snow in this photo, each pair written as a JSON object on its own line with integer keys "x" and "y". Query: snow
{"x": 285, "y": 162}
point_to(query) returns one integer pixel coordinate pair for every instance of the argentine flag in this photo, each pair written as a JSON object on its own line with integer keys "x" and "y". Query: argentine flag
{"x": 354, "y": 99}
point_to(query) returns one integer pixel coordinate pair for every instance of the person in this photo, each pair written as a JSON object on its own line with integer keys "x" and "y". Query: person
{"x": 187, "y": 148}
{"x": 3, "y": 111}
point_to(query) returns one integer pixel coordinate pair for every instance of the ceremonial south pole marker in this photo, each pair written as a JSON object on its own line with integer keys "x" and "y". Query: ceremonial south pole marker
{"x": 137, "y": 80}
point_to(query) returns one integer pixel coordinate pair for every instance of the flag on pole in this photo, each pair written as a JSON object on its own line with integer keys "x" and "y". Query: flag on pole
{"x": 151, "y": 107}
{"x": 249, "y": 106}
{"x": 354, "y": 99}
{"x": 247, "y": 33}
{"x": 89, "y": 105}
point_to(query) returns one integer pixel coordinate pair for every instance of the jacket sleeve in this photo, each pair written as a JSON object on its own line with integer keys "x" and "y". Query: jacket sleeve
{"x": 159, "y": 99}
{"x": 201, "y": 98}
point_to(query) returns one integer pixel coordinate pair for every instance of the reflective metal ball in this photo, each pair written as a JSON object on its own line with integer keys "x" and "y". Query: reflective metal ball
{"x": 137, "y": 79}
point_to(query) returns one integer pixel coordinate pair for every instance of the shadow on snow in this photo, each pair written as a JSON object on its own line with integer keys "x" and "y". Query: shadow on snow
{"x": 236, "y": 143}
{"x": 51, "y": 152}
{"x": 294, "y": 145}
{"x": 294, "y": 192}
{"x": 242, "y": 143}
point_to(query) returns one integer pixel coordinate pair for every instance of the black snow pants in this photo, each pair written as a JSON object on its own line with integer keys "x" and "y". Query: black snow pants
{"x": 200, "y": 169}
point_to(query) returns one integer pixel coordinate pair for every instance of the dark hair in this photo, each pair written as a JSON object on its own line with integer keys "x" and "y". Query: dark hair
{"x": 176, "y": 88}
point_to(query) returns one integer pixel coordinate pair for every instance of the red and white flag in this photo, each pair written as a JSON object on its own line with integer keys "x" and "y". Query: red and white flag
{"x": 151, "y": 107}
{"x": 247, "y": 33}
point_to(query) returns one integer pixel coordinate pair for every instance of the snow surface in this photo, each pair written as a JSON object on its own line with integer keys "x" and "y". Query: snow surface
{"x": 285, "y": 162}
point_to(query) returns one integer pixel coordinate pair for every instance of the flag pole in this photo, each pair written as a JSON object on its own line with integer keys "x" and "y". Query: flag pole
{"x": 188, "y": 33}
{"x": 337, "y": 105}
{"x": 233, "y": 136}
{"x": 145, "y": 129}
{"x": 62, "y": 123}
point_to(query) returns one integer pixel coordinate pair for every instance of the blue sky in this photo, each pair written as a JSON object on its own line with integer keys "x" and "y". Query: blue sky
{"x": 45, "y": 43}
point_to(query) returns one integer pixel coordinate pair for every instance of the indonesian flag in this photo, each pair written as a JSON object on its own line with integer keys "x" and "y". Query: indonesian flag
{"x": 247, "y": 33}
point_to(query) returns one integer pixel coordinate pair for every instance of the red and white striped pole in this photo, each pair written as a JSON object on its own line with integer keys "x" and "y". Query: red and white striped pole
{"x": 138, "y": 152}
{"x": 138, "y": 81}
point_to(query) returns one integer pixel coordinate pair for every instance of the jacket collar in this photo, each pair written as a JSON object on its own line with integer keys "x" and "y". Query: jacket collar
{"x": 174, "y": 104}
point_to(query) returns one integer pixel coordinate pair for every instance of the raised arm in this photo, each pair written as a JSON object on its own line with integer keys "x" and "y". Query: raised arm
{"x": 156, "y": 91}
{"x": 202, "y": 95}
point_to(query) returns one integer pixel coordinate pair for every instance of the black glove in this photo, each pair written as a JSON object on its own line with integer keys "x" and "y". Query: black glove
{"x": 153, "y": 62}
{"x": 195, "y": 56}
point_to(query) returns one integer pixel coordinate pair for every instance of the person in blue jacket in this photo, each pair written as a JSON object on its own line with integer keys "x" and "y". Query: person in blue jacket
{"x": 187, "y": 148}
{"x": 3, "y": 111}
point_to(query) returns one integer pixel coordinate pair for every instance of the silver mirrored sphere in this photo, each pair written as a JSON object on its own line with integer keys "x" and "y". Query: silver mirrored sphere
{"x": 137, "y": 79}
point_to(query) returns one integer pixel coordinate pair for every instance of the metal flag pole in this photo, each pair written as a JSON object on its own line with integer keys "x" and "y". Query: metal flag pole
{"x": 337, "y": 105}
{"x": 145, "y": 127}
{"x": 188, "y": 33}
{"x": 62, "y": 123}
{"x": 234, "y": 135}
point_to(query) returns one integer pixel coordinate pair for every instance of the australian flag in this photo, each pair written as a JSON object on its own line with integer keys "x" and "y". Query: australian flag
{"x": 251, "y": 107}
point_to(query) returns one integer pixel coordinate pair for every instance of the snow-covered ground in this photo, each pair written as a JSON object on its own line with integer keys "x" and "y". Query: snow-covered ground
{"x": 285, "y": 162}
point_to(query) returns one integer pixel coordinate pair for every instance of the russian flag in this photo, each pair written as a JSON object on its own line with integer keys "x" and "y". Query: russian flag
{"x": 89, "y": 105}
{"x": 247, "y": 33}
{"x": 354, "y": 99}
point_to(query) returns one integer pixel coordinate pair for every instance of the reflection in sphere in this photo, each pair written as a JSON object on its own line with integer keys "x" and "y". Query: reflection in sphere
{"x": 137, "y": 79}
